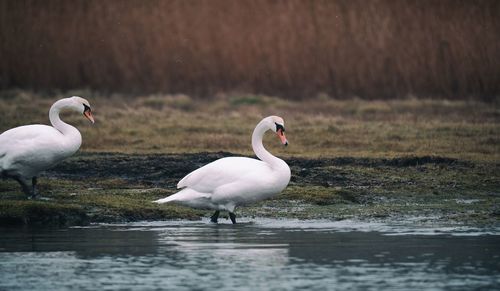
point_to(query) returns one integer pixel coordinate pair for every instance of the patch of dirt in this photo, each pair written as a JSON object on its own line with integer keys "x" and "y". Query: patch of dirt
{"x": 358, "y": 187}
{"x": 167, "y": 169}
{"x": 158, "y": 170}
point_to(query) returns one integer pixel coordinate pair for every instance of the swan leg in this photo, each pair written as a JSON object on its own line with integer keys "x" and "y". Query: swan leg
{"x": 215, "y": 216}
{"x": 24, "y": 186}
{"x": 35, "y": 192}
{"x": 233, "y": 217}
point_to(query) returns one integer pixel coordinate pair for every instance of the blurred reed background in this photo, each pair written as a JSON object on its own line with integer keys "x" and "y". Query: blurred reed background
{"x": 375, "y": 49}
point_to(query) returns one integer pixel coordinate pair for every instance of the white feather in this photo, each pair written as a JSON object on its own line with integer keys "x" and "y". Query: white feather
{"x": 30, "y": 149}
{"x": 234, "y": 181}
{"x": 27, "y": 150}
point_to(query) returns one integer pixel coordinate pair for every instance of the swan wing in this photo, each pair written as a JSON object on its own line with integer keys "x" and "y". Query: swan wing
{"x": 33, "y": 147}
{"x": 28, "y": 133}
{"x": 222, "y": 172}
{"x": 190, "y": 197}
{"x": 29, "y": 138}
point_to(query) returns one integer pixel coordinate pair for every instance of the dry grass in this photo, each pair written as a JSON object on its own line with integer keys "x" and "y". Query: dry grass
{"x": 375, "y": 49}
{"x": 317, "y": 127}
{"x": 95, "y": 187}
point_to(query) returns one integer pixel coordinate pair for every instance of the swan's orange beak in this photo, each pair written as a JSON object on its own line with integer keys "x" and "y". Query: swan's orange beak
{"x": 88, "y": 114}
{"x": 282, "y": 137}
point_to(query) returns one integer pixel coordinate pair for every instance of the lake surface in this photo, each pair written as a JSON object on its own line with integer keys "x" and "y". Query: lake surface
{"x": 258, "y": 254}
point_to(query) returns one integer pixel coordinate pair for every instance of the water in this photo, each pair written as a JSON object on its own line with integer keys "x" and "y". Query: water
{"x": 260, "y": 254}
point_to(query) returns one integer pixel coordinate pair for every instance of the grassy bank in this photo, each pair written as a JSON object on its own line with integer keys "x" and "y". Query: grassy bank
{"x": 120, "y": 187}
{"x": 349, "y": 159}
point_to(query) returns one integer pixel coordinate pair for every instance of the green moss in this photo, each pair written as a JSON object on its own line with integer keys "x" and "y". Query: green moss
{"x": 321, "y": 195}
{"x": 94, "y": 187}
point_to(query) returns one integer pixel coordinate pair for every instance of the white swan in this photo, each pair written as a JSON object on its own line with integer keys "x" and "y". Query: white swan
{"x": 27, "y": 150}
{"x": 230, "y": 182}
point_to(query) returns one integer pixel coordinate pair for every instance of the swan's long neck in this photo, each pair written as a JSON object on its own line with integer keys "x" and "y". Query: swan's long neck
{"x": 70, "y": 132}
{"x": 258, "y": 147}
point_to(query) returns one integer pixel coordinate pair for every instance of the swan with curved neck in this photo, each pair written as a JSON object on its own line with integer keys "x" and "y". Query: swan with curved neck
{"x": 27, "y": 150}
{"x": 236, "y": 181}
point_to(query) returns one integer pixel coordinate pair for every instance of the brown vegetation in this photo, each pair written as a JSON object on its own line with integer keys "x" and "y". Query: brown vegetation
{"x": 372, "y": 49}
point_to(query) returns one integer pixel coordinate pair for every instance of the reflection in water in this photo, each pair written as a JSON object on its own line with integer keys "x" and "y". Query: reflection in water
{"x": 85, "y": 242}
{"x": 262, "y": 255}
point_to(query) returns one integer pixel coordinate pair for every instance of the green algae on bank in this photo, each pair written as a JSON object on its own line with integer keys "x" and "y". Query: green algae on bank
{"x": 106, "y": 187}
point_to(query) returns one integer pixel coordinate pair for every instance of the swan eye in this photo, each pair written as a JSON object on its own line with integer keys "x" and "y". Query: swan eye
{"x": 86, "y": 108}
{"x": 279, "y": 126}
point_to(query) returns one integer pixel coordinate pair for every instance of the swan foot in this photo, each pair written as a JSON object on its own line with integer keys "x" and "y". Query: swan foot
{"x": 215, "y": 216}
{"x": 232, "y": 216}
{"x": 24, "y": 185}
{"x": 34, "y": 192}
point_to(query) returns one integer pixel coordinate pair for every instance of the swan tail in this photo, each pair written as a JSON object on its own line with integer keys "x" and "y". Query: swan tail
{"x": 183, "y": 182}
{"x": 185, "y": 195}
{"x": 165, "y": 200}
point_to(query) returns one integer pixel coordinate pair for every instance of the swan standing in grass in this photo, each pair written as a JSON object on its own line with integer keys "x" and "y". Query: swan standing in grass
{"x": 234, "y": 181}
{"x": 27, "y": 150}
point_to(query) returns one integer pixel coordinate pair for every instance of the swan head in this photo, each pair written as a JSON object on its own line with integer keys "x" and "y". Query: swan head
{"x": 277, "y": 124}
{"x": 83, "y": 106}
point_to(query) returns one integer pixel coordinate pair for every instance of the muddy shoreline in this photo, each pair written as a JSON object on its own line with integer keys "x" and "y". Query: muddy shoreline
{"x": 167, "y": 169}
{"x": 109, "y": 187}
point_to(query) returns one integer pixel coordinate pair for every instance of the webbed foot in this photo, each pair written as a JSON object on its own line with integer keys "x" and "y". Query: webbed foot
{"x": 215, "y": 216}
{"x": 232, "y": 216}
